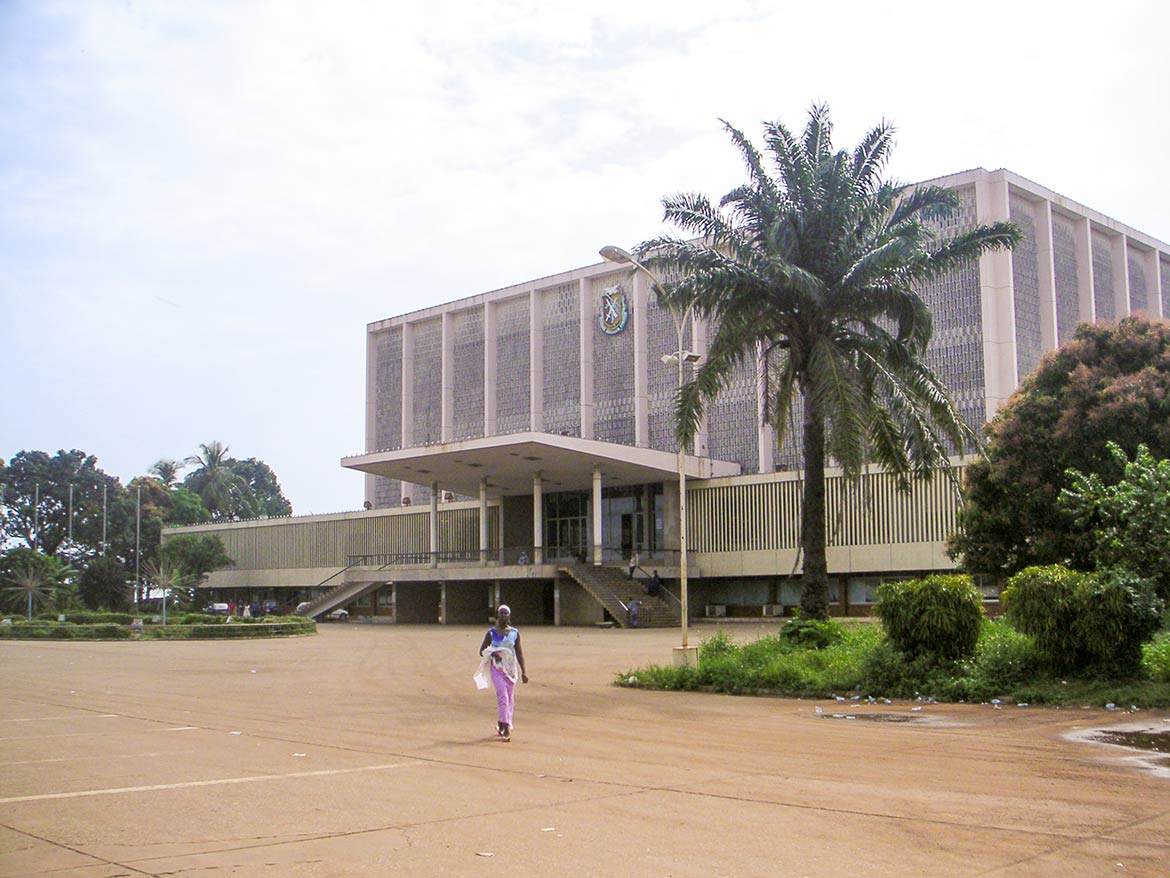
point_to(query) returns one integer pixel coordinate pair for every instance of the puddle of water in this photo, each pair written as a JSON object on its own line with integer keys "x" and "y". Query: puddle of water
{"x": 1158, "y": 742}
{"x": 873, "y": 717}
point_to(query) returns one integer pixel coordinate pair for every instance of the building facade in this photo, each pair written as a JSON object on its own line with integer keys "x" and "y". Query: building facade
{"x": 516, "y": 435}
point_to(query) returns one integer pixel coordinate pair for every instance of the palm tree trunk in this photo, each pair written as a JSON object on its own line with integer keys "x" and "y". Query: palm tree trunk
{"x": 814, "y": 592}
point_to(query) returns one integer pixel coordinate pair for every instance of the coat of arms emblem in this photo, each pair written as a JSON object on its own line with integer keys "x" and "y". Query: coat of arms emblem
{"x": 615, "y": 310}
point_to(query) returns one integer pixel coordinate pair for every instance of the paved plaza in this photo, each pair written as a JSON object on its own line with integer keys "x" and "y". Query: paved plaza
{"x": 366, "y": 750}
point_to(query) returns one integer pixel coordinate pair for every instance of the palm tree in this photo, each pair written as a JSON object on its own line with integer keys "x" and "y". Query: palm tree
{"x": 166, "y": 471}
{"x": 214, "y": 480}
{"x": 812, "y": 266}
{"x": 171, "y": 582}
{"x": 28, "y": 583}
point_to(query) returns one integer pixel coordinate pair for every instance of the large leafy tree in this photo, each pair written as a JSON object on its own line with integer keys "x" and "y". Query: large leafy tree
{"x": 36, "y": 510}
{"x": 813, "y": 263}
{"x": 264, "y": 492}
{"x": 1108, "y": 383}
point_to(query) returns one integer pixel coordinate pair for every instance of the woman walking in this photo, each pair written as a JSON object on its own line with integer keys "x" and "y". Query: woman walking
{"x": 502, "y": 653}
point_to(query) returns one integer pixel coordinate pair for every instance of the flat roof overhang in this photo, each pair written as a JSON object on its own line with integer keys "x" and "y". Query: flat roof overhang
{"x": 510, "y": 462}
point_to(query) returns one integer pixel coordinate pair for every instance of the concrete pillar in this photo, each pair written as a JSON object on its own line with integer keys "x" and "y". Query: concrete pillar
{"x": 483, "y": 522}
{"x": 557, "y": 603}
{"x": 1084, "y": 252}
{"x": 1000, "y": 367}
{"x": 1046, "y": 273}
{"x": 407, "y": 399}
{"x": 537, "y": 519}
{"x": 586, "y": 312}
{"x": 640, "y": 292}
{"x": 1119, "y": 255}
{"x": 1150, "y": 262}
{"x": 442, "y": 603}
{"x": 394, "y": 602}
{"x": 536, "y": 360}
{"x": 699, "y": 346}
{"x": 597, "y": 535}
{"x": 434, "y": 524}
{"x": 766, "y": 434}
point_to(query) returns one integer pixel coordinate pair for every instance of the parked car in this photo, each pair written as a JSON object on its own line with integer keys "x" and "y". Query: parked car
{"x": 217, "y": 609}
{"x": 341, "y": 614}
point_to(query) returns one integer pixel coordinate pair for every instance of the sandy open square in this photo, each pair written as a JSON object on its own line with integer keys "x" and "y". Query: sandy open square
{"x": 366, "y": 750}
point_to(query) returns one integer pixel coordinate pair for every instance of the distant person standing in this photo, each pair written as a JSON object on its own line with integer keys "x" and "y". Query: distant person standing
{"x": 502, "y": 653}
{"x": 633, "y": 563}
{"x": 654, "y": 586}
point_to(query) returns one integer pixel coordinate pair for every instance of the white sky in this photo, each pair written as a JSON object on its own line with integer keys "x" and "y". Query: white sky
{"x": 203, "y": 204}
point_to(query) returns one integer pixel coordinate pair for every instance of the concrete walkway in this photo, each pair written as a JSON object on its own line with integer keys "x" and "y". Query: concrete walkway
{"x": 366, "y": 750}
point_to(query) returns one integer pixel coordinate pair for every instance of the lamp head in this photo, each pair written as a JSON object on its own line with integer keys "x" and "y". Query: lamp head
{"x": 610, "y": 253}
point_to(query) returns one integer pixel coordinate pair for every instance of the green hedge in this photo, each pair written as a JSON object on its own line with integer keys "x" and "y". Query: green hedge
{"x": 1084, "y": 621}
{"x": 283, "y": 627}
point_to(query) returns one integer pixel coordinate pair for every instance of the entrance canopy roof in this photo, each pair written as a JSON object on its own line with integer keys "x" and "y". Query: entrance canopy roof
{"x": 509, "y": 463}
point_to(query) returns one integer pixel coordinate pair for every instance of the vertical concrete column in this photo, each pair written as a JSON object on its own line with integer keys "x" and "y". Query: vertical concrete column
{"x": 407, "y": 399}
{"x": 537, "y": 519}
{"x": 698, "y": 332}
{"x": 1046, "y": 274}
{"x": 442, "y": 603}
{"x": 490, "y": 366}
{"x": 557, "y": 603}
{"x": 1084, "y": 253}
{"x": 536, "y": 360}
{"x": 483, "y": 522}
{"x": 372, "y": 409}
{"x": 1151, "y": 263}
{"x": 447, "y": 390}
{"x": 597, "y": 535}
{"x": 434, "y": 524}
{"x": 641, "y": 292}
{"x": 1000, "y": 366}
{"x": 1119, "y": 255}
{"x": 585, "y": 311}
{"x": 766, "y": 435}
{"x": 496, "y": 598}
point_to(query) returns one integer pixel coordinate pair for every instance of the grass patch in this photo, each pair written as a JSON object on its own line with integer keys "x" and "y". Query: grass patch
{"x": 858, "y": 660}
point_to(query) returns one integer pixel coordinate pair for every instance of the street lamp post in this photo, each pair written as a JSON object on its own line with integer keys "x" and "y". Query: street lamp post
{"x": 685, "y": 655}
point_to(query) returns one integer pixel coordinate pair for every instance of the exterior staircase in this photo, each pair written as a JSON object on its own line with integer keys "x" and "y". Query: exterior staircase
{"x": 613, "y": 589}
{"x": 338, "y": 596}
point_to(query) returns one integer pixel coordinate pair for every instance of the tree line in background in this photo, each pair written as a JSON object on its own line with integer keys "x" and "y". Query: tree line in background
{"x": 71, "y": 533}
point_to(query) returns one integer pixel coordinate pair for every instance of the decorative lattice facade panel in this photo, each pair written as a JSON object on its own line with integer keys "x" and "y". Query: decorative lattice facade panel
{"x": 427, "y": 378}
{"x": 613, "y": 371}
{"x": 513, "y": 366}
{"x": 467, "y": 374}
{"x": 1067, "y": 277}
{"x": 956, "y": 349}
{"x": 561, "y": 321}
{"x": 1026, "y": 282}
{"x": 733, "y": 423}
{"x": 1103, "y": 277}
{"x": 1139, "y": 295}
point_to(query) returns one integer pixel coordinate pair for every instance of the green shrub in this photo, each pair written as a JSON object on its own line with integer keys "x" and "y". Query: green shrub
{"x": 1004, "y": 657}
{"x": 811, "y": 633}
{"x": 1156, "y": 658}
{"x": 938, "y": 616}
{"x": 1042, "y": 603}
{"x": 719, "y": 644}
{"x": 1085, "y": 621}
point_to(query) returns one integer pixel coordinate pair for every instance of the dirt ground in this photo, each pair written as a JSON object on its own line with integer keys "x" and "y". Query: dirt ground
{"x": 366, "y": 750}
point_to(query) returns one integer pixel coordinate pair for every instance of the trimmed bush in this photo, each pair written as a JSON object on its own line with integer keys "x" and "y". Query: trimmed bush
{"x": 938, "y": 616}
{"x": 1042, "y": 603}
{"x": 1085, "y": 621}
{"x": 1156, "y": 658}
